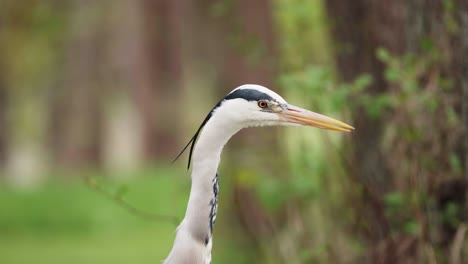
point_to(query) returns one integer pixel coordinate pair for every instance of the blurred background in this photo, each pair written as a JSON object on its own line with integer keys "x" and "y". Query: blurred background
{"x": 97, "y": 98}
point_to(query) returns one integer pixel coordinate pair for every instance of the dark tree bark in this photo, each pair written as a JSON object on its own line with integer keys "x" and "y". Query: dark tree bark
{"x": 3, "y": 93}
{"x": 461, "y": 71}
{"x": 462, "y": 14}
{"x": 3, "y": 90}
{"x": 402, "y": 27}
{"x": 3, "y": 118}
{"x": 163, "y": 24}
{"x": 359, "y": 28}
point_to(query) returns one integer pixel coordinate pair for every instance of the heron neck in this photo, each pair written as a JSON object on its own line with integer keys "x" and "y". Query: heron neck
{"x": 202, "y": 205}
{"x": 207, "y": 152}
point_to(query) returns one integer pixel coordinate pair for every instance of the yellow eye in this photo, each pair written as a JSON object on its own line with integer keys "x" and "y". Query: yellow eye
{"x": 262, "y": 104}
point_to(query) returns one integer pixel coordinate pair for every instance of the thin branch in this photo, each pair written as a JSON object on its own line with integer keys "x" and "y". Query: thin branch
{"x": 117, "y": 197}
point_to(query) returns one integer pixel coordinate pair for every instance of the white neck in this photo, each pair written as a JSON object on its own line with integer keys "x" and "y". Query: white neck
{"x": 206, "y": 158}
{"x": 194, "y": 235}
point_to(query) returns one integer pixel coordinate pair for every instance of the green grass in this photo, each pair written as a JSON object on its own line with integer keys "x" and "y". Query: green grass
{"x": 138, "y": 246}
{"x": 67, "y": 222}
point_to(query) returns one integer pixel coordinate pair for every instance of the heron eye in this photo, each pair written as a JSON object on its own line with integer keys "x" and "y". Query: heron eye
{"x": 262, "y": 104}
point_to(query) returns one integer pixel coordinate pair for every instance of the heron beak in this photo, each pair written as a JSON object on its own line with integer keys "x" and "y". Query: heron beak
{"x": 296, "y": 115}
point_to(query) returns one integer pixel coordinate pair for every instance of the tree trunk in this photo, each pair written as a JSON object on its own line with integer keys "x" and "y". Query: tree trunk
{"x": 242, "y": 46}
{"x": 422, "y": 28}
{"x": 359, "y": 28}
{"x": 3, "y": 89}
{"x": 462, "y": 74}
{"x": 76, "y": 116}
{"x": 163, "y": 24}
{"x": 3, "y": 121}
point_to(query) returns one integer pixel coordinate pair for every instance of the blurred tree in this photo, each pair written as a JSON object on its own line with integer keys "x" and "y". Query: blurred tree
{"x": 129, "y": 110}
{"x": 3, "y": 121}
{"x": 359, "y": 28}
{"x": 162, "y": 24}
{"x": 3, "y": 91}
{"x": 242, "y": 45}
{"x": 463, "y": 42}
{"x": 147, "y": 32}
{"x": 24, "y": 52}
{"x": 76, "y": 113}
{"x": 3, "y": 136}
{"x": 250, "y": 52}
{"x": 416, "y": 54}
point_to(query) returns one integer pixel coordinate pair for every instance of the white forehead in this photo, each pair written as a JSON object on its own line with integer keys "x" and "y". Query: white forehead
{"x": 263, "y": 90}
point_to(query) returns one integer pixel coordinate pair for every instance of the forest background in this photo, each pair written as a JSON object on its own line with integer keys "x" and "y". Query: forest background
{"x": 97, "y": 98}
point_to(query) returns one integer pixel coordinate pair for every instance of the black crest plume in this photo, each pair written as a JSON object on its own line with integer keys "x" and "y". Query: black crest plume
{"x": 192, "y": 141}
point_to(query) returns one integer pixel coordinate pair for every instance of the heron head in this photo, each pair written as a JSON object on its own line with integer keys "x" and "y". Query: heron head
{"x": 254, "y": 105}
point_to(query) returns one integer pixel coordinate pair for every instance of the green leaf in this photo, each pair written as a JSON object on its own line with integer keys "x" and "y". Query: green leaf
{"x": 412, "y": 227}
{"x": 383, "y": 55}
{"x": 455, "y": 163}
{"x": 362, "y": 81}
{"x": 394, "y": 199}
{"x": 392, "y": 75}
{"x": 426, "y": 44}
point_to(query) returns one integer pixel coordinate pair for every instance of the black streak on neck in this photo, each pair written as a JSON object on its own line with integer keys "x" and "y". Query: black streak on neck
{"x": 214, "y": 203}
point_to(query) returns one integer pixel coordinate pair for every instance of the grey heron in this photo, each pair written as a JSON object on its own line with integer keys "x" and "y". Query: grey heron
{"x": 246, "y": 106}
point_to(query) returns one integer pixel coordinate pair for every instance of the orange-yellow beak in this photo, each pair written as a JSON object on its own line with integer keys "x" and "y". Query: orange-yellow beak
{"x": 296, "y": 115}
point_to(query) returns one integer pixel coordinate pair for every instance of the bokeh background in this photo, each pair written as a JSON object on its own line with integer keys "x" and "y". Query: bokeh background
{"x": 97, "y": 98}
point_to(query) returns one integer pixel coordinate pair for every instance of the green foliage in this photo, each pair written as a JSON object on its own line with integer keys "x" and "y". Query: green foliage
{"x": 404, "y": 74}
{"x": 222, "y": 8}
{"x": 449, "y": 17}
{"x": 314, "y": 185}
{"x": 415, "y": 106}
{"x": 399, "y": 207}
{"x": 455, "y": 163}
{"x": 394, "y": 200}
{"x": 303, "y": 30}
{"x": 419, "y": 97}
{"x": 450, "y": 215}
{"x": 273, "y": 194}
{"x": 325, "y": 91}
{"x": 407, "y": 69}
{"x": 412, "y": 227}
{"x": 319, "y": 183}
